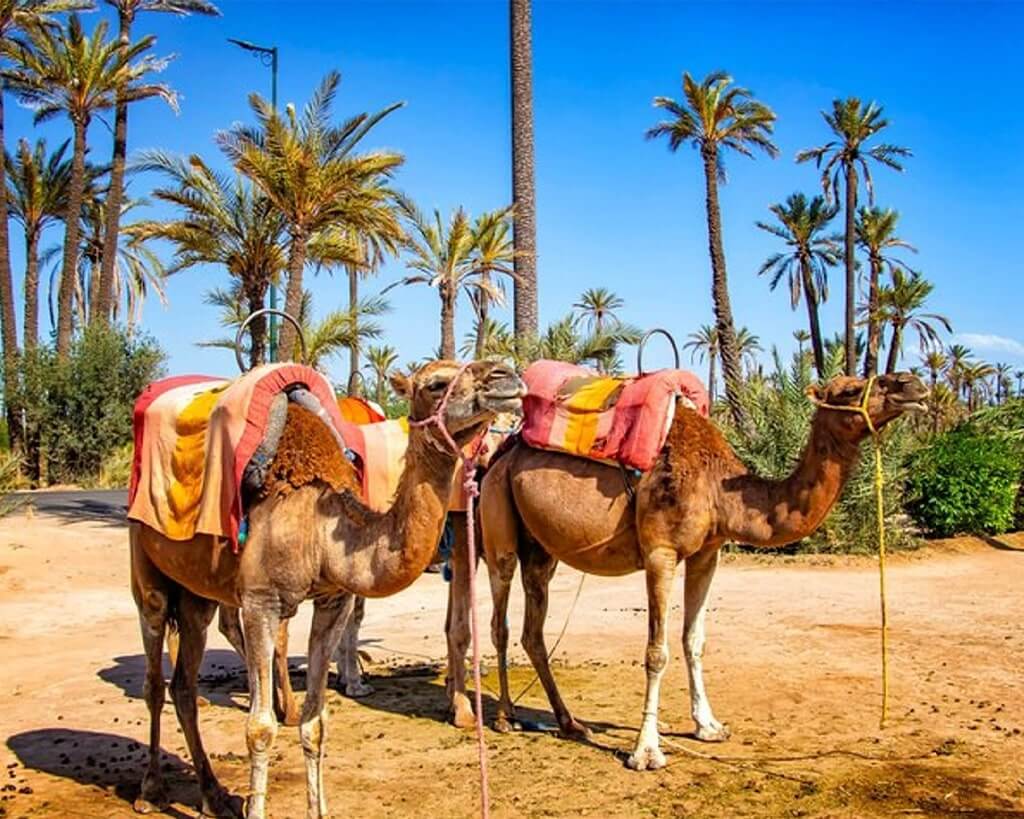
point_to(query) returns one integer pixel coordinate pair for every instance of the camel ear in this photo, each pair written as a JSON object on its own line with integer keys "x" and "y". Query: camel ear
{"x": 815, "y": 393}
{"x": 401, "y": 384}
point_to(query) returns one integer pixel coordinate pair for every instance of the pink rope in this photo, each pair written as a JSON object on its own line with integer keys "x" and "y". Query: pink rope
{"x": 469, "y": 483}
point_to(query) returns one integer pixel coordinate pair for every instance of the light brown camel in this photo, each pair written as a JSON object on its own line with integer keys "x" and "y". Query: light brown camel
{"x": 541, "y": 507}
{"x": 318, "y": 541}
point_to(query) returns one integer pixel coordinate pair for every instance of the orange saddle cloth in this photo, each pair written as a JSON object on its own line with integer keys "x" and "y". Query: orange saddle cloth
{"x": 575, "y": 410}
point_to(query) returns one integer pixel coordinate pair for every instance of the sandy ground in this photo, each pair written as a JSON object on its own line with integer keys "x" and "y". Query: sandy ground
{"x": 792, "y": 664}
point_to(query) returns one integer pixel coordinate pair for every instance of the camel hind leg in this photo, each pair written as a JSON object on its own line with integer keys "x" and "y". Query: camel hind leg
{"x": 700, "y": 570}
{"x": 350, "y": 674}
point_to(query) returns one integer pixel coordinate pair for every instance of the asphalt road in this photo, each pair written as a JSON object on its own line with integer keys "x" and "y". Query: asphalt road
{"x": 103, "y": 505}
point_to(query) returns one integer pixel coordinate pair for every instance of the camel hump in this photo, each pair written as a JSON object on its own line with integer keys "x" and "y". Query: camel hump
{"x": 308, "y": 453}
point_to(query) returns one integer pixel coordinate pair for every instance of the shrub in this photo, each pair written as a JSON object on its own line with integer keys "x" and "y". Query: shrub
{"x": 10, "y": 480}
{"x": 116, "y": 469}
{"x": 966, "y": 480}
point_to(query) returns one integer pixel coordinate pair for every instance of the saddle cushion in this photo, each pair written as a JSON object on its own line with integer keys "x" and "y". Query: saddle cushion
{"x": 572, "y": 409}
{"x": 195, "y": 435}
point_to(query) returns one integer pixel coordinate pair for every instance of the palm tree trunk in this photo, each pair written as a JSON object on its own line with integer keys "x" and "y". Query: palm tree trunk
{"x": 447, "y": 324}
{"x": 72, "y": 234}
{"x": 31, "y": 288}
{"x": 523, "y": 197}
{"x": 255, "y": 292}
{"x": 874, "y": 328}
{"x": 712, "y": 376}
{"x": 851, "y": 274}
{"x": 115, "y": 195}
{"x": 482, "y": 314}
{"x": 93, "y": 290}
{"x": 811, "y": 298}
{"x": 353, "y": 351}
{"x": 720, "y": 293}
{"x": 380, "y": 391}
{"x": 8, "y": 322}
{"x": 894, "y": 348}
{"x": 293, "y": 296}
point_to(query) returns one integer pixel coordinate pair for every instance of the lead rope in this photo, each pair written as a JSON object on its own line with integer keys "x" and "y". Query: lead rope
{"x": 862, "y": 410}
{"x": 472, "y": 490}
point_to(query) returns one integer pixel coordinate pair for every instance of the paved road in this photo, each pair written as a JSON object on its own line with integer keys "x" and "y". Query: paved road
{"x": 103, "y": 505}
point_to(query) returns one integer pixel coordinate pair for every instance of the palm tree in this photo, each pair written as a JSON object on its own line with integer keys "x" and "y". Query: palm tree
{"x": 748, "y": 345}
{"x": 704, "y": 344}
{"x": 975, "y": 381}
{"x": 66, "y": 71}
{"x": 37, "y": 189}
{"x": 899, "y": 305}
{"x": 718, "y": 115}
{"x": 309, "y": 171}
{"x": 959, "y": 358}
{"x": 876, "y": 233}
{"x": 1019, "y": 375}
{"x": 340, "y": 329}
{"x": 126, "y": 11}
{"x": 801, "y": 337}
{"x": 841, "y": 159}
{"x": 441, "y": 255}
{"x": 935, "y": 361}
{"x": 806, "y": 262}
{"x": 17, "y": 17}
{"x": 523, "y": 195}
{"x": 221, "y": 221}
{"x": 381, "y": 361}
{"x": 1002, "y": 371}
{"x": 498, "y": 341}
{"x": 493, "y": 252}
{"x": 597, "y": 305}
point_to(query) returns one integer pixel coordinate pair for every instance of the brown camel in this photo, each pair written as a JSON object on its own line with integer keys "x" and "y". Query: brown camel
{"x": 317, "y": 541}
{"x": 543, "y": 507}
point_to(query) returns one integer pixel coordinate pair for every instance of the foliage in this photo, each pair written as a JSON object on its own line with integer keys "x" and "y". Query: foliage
{"x": 116, "y": 469}
{"x": 10, "y": 480}
{"x": 79, "y": 411}
{"x": 966, "y": 481}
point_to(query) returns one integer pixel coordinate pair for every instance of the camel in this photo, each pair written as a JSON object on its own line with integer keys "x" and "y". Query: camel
{"x": 317, "y": 541}
{"x": 538, "y": 507}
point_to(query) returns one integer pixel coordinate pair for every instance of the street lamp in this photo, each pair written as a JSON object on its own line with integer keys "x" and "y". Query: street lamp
{"x": 268, "y": 57}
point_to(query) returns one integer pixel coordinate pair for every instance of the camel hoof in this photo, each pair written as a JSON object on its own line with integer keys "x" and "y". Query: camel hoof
{"x": 716, "y": 732}
{"x": 222, "y": 805}
{"x": 646, "y": 759}
{"x": 153, "y": 798}
{"x": 202, "y": 702}
{"x": 141, "y": 805}
{"x": 461, "y": 714}
{"x": 357, "y": 690}
{"x": 503, "y": 725}
{"x": 575, "y": 730}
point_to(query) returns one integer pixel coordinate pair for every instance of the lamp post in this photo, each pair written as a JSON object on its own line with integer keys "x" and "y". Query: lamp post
{"x": 267, "y": 56}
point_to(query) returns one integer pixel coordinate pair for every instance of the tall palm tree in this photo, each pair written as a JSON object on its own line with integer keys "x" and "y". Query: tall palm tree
{"x": 493, "y": 253}
{"x": 748, "y": 345}
{"x": 309, "y": 170}
{"x": 64, "y": 70}
{"x": 876, "y": 234}
{"x": 840, "y": 161}
{"x": 959, "y": 358}
{"x": 1019, "y": 375}
{"x": 381, "y": 361}
{"x": 37, "y": 190}
{"x": 498, "y": 341}
{"x": 975, "y": 381}
{"x": 441, "y": 255}
{"x": 126, "y": 11}
{"x": 806, "y": 263}
{"x": 597, "y": 306}
{"x": 899, "y": 305}
{"x": 340, "y": 329}
{"x": 801, "y": 337}
{"x": 220, "y": 220}
{"x": 715, "y": 116}
{"x": 1002, "y": 371}
{"x": 935, "y": 361}
{"x": 17, "y": 17}
{"x": 523, "y": 196}
{"x": 703, "y": 344}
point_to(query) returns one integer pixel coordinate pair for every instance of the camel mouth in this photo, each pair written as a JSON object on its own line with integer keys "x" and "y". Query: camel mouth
{"x": 503, "y": 402}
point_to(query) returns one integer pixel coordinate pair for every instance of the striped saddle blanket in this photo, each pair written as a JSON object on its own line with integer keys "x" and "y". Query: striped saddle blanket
{"x": 572, "y": 409}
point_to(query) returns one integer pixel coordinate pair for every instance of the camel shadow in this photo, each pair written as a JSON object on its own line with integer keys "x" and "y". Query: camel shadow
{"x": 1002, "y": 545}
{"x": 108, "y": 761}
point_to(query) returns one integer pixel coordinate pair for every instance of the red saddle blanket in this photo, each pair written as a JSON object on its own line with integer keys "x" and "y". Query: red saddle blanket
{"x": 575, "y": 410}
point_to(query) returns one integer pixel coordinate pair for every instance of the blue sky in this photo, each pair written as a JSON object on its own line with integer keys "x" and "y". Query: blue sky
{"x": 613, "y": 209}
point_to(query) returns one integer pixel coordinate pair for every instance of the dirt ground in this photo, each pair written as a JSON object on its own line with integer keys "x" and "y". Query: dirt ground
{"x": 792, "y": 664}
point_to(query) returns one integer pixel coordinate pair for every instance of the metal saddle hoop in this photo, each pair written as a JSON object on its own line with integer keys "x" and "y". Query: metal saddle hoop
{"x": 643, "y": 343}
{"x": 268, "y": 311}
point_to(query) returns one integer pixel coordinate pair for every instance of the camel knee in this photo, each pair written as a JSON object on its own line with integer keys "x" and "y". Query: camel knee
{"x": 154, "y": 691}
{"x": 533, "y": 644}
{"x": 313, "y": 732}
{"x": 656, "y": 659}
{"x": 260, "y": 732}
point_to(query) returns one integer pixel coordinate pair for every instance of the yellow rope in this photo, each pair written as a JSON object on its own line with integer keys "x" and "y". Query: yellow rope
{"x": 862, "y": 410}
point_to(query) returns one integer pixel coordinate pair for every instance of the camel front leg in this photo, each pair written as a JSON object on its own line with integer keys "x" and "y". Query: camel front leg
{"x": 660, "y": 568}
{"x": 260, "y": 619}
{"x": 456, "y": 629}
{"x": 700, "y": 570}
{"x": 329, "y": 620}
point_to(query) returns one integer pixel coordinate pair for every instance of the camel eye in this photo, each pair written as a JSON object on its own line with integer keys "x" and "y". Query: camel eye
{"x": 437, "y": 386}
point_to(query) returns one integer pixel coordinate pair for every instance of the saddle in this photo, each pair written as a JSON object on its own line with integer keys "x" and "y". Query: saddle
{"x": 624, "y": 421}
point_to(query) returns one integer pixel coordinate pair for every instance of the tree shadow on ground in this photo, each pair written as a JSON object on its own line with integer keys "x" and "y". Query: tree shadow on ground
{"x": 80, "y": 507}
{"x": 108, "y": 761}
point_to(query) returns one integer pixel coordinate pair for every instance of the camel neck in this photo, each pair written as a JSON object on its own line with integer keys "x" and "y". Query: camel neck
{"x": 763, "y": 512}
{"x": 376, "y": 554}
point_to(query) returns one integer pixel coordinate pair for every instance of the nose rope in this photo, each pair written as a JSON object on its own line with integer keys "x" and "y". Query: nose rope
{"x": 862, "y": 410}
{"x": 469, "y": 484}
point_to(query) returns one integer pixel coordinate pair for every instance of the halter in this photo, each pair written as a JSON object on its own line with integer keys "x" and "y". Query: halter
{"x": 861, "y": 409}
{"x": 436, "y": 419}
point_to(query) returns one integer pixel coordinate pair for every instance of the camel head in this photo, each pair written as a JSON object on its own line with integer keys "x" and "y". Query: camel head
{"x": 482, "y": 391}
{"x": 891, "y": 396}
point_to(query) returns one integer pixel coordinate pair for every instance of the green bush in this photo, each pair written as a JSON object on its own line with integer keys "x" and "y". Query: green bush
{"x": 10, "y": 480}
{"x": 116, "y": 469}
{"x": 966, "y": 481}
